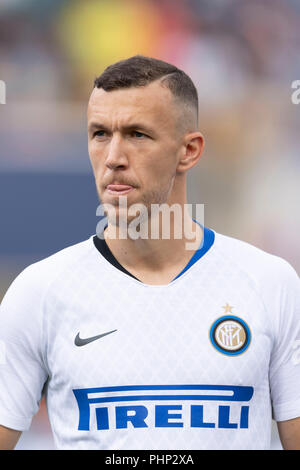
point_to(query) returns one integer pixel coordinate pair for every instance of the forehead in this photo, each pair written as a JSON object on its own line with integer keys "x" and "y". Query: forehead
{"x": 153, "y": 103}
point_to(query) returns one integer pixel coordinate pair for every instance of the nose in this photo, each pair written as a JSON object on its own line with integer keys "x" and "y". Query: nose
{"x": 116, "y": 157}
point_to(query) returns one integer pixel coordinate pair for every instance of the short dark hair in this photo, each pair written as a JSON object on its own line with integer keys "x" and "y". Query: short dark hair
{"x": 138, "y": 71}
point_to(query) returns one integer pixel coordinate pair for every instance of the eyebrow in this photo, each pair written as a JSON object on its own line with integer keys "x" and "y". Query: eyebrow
{"x": 135, "y": 125}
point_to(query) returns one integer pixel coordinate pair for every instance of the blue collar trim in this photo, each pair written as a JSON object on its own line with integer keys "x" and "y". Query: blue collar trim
{"x": 207, "y": 242}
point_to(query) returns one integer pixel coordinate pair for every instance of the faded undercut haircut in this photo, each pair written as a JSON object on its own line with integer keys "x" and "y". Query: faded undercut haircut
{"x": 139, "y": 71}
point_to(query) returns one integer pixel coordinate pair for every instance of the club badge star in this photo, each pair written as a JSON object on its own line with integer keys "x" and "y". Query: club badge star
{"x": 228, "y": 308}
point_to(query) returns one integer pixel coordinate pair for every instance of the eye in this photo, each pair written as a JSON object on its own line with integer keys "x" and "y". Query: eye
{"x": 138, "y": 134}
{"x": 99, "y": 134}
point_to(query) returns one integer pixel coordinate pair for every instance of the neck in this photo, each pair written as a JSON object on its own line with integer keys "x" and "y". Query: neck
{"x": 157, "y": 244}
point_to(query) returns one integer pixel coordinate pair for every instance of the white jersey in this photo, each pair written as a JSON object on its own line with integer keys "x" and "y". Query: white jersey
{"x": 201, "y": 363}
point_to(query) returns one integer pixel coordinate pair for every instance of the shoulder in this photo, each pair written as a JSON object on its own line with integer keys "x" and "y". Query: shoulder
{"x": 255, "y": 262}
{"x": 35, "y": 279}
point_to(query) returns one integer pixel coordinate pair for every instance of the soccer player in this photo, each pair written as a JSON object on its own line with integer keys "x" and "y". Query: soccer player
{"x": 140, "y": 342}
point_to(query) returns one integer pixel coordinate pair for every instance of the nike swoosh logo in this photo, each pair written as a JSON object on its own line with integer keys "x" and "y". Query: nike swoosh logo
{"x": 83, "y": 341}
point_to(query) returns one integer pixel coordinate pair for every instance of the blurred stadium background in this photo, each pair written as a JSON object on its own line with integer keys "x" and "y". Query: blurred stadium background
{"x": 242, "y": 56}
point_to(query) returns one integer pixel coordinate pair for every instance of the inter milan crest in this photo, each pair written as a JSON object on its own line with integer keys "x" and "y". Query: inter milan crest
{"x": 230, "y": 334}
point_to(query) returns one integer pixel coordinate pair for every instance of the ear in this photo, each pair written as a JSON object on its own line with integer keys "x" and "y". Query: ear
{"x": 191, "y": 151}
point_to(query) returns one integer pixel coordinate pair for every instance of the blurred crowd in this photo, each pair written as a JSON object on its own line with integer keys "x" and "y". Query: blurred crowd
{"x": 243, "y": 57}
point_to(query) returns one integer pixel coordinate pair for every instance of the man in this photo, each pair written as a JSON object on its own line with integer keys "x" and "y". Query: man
{"x": 139, "y": 342}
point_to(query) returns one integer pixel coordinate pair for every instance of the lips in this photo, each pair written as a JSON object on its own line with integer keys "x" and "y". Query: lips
{"x": 119, "y": 188}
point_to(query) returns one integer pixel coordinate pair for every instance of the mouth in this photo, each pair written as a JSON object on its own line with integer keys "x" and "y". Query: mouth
{"x": 119, "y": 189}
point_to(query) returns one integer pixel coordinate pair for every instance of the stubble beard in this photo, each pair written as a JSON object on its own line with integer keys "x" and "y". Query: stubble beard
{"x": 117, "y": 216}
